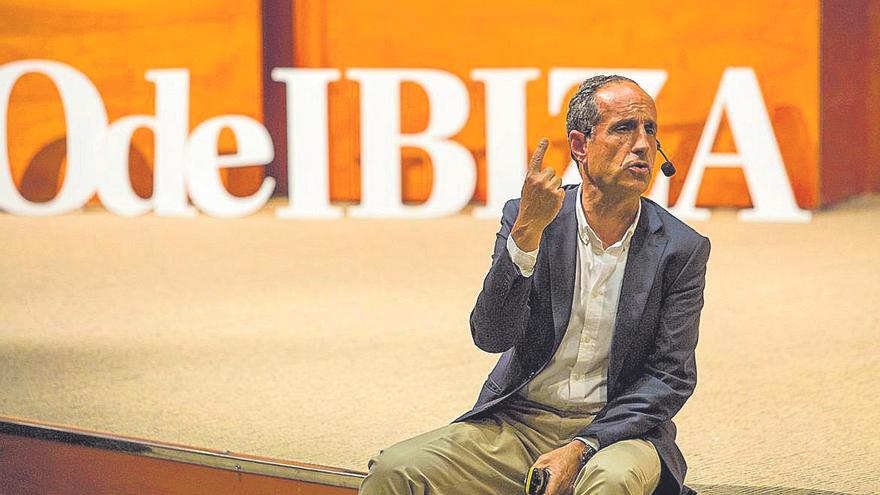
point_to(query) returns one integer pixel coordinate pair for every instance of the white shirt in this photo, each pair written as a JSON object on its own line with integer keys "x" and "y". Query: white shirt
{"x": 576, "y": 377}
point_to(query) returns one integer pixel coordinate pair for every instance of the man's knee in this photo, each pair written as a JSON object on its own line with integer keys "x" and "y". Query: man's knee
{"x": 457, "y": 458}
{"x": 630, "y": 467}
{"x": 389, "y": 473}
{"x": 609, "y": 476}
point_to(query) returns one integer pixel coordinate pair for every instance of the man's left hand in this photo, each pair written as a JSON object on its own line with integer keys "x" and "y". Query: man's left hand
{"x": 564, "y": 465}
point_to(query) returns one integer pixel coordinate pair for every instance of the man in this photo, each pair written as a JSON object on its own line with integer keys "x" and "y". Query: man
{"x": 594, "y": 298}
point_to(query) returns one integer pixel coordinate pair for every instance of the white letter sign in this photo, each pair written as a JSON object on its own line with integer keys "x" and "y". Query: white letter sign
{"x": 85, "y": 118}
{"x": 308, "y": 162}
{"x": 757, "y": 154}
{"x": 455, "y": 174}
{"x": 254, "y": 148}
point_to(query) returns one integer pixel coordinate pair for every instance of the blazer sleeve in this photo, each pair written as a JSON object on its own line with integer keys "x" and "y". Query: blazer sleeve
{"x": 500, "y": 315}
{"x": 670, "y": 373}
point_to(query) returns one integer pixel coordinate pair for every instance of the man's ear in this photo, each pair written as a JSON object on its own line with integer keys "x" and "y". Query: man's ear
{"x": 577, "y": 143}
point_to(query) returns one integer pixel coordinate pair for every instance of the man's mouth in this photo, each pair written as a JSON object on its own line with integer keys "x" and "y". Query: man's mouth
{"x": 639, "y": 168}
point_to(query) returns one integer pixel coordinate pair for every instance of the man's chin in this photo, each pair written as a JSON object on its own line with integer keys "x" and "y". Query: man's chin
{"x": 635, "y": 188}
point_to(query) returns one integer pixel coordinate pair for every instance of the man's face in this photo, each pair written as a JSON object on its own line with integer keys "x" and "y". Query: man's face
{"x": 620, "y": 150}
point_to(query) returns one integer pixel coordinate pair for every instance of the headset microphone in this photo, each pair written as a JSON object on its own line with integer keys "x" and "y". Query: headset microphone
{"x": 668, "y": 168}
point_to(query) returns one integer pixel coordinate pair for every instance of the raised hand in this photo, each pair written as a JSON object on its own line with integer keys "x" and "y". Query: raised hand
{"x": 541, "y": 201}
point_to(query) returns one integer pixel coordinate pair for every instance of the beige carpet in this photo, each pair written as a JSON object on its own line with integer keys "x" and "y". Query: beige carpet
{"x": 324, "y": 341}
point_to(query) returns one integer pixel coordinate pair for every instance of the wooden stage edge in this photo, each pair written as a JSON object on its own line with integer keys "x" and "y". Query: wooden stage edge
{"x": 40, "y": 458}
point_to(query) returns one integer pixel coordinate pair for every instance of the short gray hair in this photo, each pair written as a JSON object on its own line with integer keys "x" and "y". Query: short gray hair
{"x": 582, "y": 112}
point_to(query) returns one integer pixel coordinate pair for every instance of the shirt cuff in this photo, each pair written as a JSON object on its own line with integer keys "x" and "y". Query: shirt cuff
{"x": 589, "y": 442}
{"x": 524, "y": 261}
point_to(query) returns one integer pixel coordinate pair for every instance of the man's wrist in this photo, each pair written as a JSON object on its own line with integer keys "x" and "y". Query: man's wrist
{"x": 589, "y": 441}
{"x": 524, "y": 261}
{"x": 588, "y": 450}
{"x": 527, "y": 236}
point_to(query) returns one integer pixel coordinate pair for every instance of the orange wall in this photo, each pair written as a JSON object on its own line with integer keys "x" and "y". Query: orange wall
{"x": 113, "y": 44}
{"x": 228, "y": 58}
{"x": 693, "y": 40}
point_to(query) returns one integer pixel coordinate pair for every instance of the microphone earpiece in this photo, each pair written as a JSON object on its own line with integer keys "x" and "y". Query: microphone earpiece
{"x": 668, "y": 168}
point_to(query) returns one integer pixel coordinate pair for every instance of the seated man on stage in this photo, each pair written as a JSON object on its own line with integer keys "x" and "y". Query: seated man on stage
{"x": 594, "y": 299}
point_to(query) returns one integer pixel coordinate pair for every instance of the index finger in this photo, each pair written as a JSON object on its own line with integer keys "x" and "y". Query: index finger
{"x": 538, "y": 156}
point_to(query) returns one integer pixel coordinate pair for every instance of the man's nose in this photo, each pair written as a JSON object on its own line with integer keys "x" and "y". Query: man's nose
{"x": 642, "y": 144}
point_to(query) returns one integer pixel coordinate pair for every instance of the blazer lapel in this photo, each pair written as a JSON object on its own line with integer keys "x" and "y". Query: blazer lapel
{"x": 646, "y": 250}
{"x": 562, "y": 249}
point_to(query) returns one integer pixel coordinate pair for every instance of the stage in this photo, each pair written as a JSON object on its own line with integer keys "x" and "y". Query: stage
{"x": 325, "y": 341}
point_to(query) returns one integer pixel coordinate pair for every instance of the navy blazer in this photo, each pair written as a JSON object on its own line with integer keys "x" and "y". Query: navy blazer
{"x": 651, "y": 370}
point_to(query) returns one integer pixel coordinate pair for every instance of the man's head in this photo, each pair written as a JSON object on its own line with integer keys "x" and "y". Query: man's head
{"x": 612, "y": 126}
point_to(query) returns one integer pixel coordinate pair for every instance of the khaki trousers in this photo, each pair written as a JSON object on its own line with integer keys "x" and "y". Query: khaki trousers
{"x": 491, "y": 455}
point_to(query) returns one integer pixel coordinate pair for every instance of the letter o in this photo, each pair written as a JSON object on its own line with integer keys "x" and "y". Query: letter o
{"x": 86, "y": 121}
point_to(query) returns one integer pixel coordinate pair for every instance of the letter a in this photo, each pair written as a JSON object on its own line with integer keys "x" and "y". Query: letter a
{"x": 757, "y": 154}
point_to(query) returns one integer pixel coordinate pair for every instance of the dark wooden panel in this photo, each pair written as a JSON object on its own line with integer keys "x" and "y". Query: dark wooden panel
{"x": 52, "y": 460}
{"x": 843, "y": 103}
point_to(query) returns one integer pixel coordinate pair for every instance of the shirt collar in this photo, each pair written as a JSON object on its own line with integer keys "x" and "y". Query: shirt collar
{"x": 588, "y": 236}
